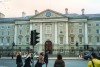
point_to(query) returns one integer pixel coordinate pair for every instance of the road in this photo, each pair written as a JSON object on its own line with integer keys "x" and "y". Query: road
{"x": 68, "y": 63}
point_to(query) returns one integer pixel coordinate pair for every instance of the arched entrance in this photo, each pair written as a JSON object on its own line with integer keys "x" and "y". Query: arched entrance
{"x": 48, "y": 46}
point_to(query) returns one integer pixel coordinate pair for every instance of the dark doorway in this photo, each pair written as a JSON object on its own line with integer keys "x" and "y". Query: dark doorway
{"x": 48, "y": 46}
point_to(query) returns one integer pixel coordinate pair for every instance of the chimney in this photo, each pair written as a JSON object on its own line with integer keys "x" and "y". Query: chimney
{"x": 2, "y": 15}
{"x": 66, "y": 10}
{"x": 82, "y": 11}
{"x": 36, "y": 12}
{"x": 23, "y": 14}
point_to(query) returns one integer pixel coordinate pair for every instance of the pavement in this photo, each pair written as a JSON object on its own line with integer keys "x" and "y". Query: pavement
{"x": 48, "y": 58}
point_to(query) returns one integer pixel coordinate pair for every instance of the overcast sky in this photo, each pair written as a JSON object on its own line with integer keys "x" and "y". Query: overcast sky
{"x": 14, "y": 8}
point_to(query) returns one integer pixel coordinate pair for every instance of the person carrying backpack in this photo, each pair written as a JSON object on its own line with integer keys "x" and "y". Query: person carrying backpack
{"x": 94, "y": 61}
{"x": 59, "y": 61}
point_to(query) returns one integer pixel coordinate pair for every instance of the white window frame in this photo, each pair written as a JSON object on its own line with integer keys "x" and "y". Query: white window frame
{"x": 80, "y": 30}
{"x": 72, "y": 39}
{"x": 97, "y": 31}
{"x": 48, "y": 29}
{"x": 61, "y": 40}
{"x": 80, "y": 39}
{"x": 98, "y": 39}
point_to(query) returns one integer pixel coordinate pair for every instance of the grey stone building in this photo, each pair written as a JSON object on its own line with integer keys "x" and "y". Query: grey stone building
{"x": 58, "y": 32}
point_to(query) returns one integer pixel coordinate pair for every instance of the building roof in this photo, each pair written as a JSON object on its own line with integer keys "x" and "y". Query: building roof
{"x": 70, "y": 16}
{"x": 15, "y": 19}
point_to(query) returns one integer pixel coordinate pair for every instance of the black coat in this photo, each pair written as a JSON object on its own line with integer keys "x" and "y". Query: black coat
{"x": 27, "y": 62}
{"x": 19, "y": 61}
{"x": 46, "y": 58}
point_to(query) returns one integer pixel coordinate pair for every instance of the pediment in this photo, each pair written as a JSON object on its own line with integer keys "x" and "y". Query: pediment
{"x": 48, "y": 14}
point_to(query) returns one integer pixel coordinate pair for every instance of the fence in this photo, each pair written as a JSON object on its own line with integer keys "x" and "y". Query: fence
{"x": 71, "y": 50}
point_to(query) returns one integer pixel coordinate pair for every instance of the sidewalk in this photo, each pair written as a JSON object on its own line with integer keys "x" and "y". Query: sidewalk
{"x": 73, "y": 58}
{"x": 52, "y": 58}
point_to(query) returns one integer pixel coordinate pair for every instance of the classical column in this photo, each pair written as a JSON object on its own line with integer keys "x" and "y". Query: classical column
{"x": 15, "y": 34}
{"x": 41, "y": 33}
{"x": 30, "y": 26}
{"x": 86, "y": 34}
{"x": 55, "y": 32}
{"x": 67, "y": 33}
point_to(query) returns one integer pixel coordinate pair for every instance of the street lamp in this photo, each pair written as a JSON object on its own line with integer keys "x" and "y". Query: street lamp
{"x": 13, "y": 44}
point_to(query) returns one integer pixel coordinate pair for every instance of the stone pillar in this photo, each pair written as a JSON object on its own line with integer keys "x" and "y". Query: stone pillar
{"x": 67, "y": 33}
{"x": 15, "y": 34}
{"x": 31, "y": 27}
{"x": 86, "y": 34}
{"x": 55, "y": 32}
{"x": 41, "y": 33}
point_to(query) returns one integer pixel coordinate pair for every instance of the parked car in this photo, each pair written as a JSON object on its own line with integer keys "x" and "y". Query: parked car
{"x": 87, "y": 56}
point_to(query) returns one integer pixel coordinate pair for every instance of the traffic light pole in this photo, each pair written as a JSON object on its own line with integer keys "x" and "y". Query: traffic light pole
{"x": 33, "y": 58}
{"x": 34, "y": 41}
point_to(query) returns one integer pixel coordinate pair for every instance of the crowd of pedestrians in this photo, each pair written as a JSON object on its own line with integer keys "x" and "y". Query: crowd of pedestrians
{"x": 43, "y": 59}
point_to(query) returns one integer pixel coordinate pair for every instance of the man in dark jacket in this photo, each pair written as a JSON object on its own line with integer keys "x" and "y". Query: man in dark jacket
{"x": 46, "y": 58}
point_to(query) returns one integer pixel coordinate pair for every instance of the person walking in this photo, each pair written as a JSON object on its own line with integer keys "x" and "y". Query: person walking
{"x": 28, "y": 61}
{"x": 46, "y": 58}
{"x": 94, "y": 62}
{"x": 59, "y": 61}
{"x": 40, "y": 60}
{"x": 19, "y": 59}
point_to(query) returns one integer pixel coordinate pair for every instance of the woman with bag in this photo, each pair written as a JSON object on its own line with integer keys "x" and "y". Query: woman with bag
{"x": 40, "y": 60}
{"x": 19, "y": 59}
{"x": 28, "y": 61}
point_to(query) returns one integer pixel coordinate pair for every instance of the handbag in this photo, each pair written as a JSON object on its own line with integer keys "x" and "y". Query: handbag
{"x": 20, "y": 63}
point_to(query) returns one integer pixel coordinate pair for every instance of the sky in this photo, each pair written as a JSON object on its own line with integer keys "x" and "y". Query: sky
{"x": 14, "y": 8}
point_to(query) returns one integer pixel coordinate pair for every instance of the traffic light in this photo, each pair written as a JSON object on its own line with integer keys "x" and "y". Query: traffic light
{"x": 34, "y": 37}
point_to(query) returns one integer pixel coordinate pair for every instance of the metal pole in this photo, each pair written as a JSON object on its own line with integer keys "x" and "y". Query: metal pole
{"x": 33, "y": 58}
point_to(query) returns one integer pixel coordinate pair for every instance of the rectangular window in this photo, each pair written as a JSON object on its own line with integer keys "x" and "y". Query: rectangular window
{"x": 97, "y": 24}
{"x": 80, "y": 39}
{"x": 97, "y": 31}
{"x": 2, "y": 33}
{"x": 20, "y": 31}
{"x": 8, "y": 27}
{"x": 2, "y": 40}
{"x": 80, "y": 30}
{"x": 28, "y": 31}
{"x": 8, "y": 32}
{"x": 27, "y": 39}
{"x": 89, "y": 40}
{"x": 48, "y": 29}
{"x": 2, "y": 27}
{"x": 8, "y": 39}
{"x": 98, "y": 39}
{"x": 72, "y": 39}
{"x": 89, "y": 24}
{"x": 71, "y": 31}
{"x": 80, "y": 24}
{"x": 61, "y": 27}
{"x": 20, "y": 40}
{"x": 61, "y": 40}
{"x": 89, "y": 30}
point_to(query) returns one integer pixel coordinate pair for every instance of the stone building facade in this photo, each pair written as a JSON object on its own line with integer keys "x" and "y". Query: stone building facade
{"x": 58, "y": 31}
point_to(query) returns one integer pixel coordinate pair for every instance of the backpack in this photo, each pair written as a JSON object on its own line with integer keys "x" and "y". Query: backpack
{"x": 59, "y": 63}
